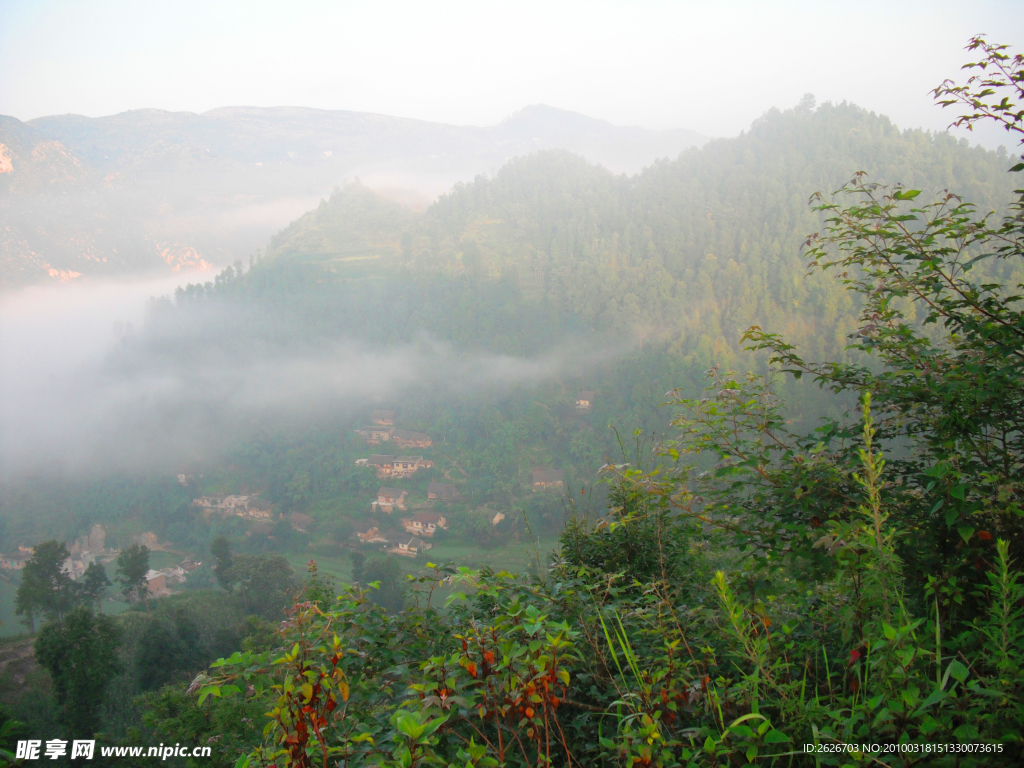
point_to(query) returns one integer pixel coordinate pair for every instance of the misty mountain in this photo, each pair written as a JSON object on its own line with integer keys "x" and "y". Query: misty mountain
{"x": 553, "y": 272}
{"x": 153, "y": 191}
{"x": 690, "y": 251}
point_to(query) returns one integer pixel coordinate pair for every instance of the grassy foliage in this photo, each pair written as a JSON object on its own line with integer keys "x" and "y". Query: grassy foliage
{"x": 757, "y": 595}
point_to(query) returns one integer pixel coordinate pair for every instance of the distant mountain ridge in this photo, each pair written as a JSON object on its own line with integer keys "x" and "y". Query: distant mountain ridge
{"x": 270, "y": 134}
{"x": 150, "y": 190}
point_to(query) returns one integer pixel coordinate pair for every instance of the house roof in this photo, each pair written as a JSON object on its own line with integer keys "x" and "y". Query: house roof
{"x": 381, "y": 458}
{"x": 406, "y": 434}
{"x": 393, "y": 493}
{"x": 427, "y": 517}
{"x": 411, "y": 459}
{"x": 548, "y": 476}
{"x": 444, "y": 490}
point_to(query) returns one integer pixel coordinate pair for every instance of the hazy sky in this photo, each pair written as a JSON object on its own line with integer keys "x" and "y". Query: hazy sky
{"x": 710, "y": 66}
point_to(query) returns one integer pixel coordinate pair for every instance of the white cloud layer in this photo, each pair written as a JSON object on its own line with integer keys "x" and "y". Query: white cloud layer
{"x": 711, "y": 67}
{"x": 71, "y": 401}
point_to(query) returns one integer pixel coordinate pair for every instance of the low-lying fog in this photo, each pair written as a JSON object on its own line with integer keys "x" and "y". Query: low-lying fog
{"x": 84, "y": 387}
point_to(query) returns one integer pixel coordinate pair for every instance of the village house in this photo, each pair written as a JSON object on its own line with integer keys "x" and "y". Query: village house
{"x": 383, "y": 463}
{"x": 548, "y": 478}
{"x": 213, "y": 501}
{"x": 222, "y": 501}
{"x": 75, "y": 566}
{"x": 424, "y": 523}
{"x": 156, "y": 582}
{"x": 14, "y": 561}
{"x": 375, "y": 435}
{"x": 407, "y": 465}
{"x": 411, "y": 548}
{"x": 301, "y": 522}
{"x": 383, "y": 418}
{"x": 441, "y": 491}
{"x": 175, "y": 574}
{"x": 258, "y": 510}
{"x": 405, "y": 438}
{"x": 372, "y": 536}
{"x": 389, "y": 499}
{"x": 584, "y": 400}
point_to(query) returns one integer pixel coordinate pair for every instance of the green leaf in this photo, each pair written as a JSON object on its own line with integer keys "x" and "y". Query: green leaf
{"x": 965, "y": 532}
{"x": 210, "y": 690}
{"x": 958, "y": 671}
{"x": 775, "y": 737}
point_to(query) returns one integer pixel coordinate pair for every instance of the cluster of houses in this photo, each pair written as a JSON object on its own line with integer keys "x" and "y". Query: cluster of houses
{"x": 409, "y": 548}
{"x": 249, "y": 507}
{"x": 547, "y": 479}
{"x": 423, "y": 523}
{"x": 383, "y": 430}
{"x": 390, "y": 465}
{"x": 390, "y": 499}
{"x": 92, "y": 547}
{"x": 225, "y": 504}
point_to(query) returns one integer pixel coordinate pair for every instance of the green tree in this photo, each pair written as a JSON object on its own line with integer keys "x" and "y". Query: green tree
{"x": 265, "y": 582}
{"x": 170, "y": 646}
{"x": 222, "y": 562}
{"x": 94, "y": 584}
{"x": 383, "y": 575}
{"x": 80, "y": 652}
{"x": 132, "y": 567}
{"x": 45, "y": 588}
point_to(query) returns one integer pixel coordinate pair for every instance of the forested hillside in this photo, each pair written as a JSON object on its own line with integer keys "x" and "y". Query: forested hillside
{"x": 150, "y": 191}
{"x": 689, "y": 253}
{"x": 772, "y": 438}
